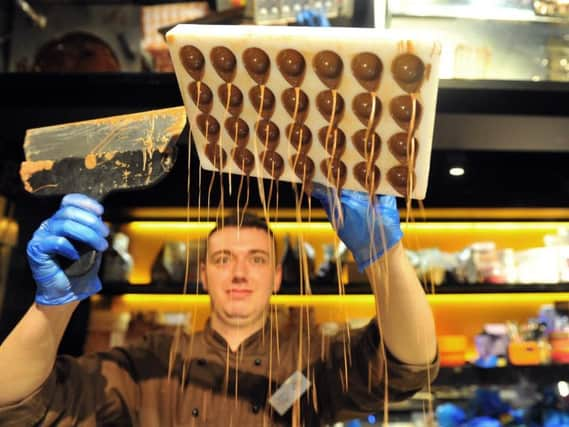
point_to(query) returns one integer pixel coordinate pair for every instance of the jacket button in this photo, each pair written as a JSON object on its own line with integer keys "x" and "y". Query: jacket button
{"x": 195, "y": 412}
{"x": 258, "y": 362}
{"x": 255, "y": 408}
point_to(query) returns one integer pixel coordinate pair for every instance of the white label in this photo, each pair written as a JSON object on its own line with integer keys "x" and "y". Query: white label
{"x": 289, "y": 392}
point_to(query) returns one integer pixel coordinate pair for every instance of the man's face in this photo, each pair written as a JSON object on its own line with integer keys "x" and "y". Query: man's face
{"x": 240, "y": 274}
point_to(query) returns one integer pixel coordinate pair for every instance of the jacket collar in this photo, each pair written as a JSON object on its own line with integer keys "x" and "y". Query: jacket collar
{"x": 255, "y": 343}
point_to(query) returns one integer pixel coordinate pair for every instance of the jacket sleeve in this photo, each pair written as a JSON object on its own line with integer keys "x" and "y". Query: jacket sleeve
{"x": 96, "y": 389}
{"x": 357, "y": 387}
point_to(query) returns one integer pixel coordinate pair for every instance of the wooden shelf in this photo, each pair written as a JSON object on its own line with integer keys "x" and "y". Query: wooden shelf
{"x": 320, "y": 288}
{"x": 472, "y": 375}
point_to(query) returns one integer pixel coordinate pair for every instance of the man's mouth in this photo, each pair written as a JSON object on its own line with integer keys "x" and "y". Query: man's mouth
{"x": 239, "y": 293}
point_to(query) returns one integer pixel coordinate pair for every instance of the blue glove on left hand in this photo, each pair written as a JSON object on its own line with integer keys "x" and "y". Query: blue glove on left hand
{"x": 312, "y": 18}
{"x": 79, "y": 219}
{"x": 367, "y": 229}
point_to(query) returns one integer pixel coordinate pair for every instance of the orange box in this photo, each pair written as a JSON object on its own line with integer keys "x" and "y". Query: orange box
{"x": 524, "y": 353}
{"x": 452, "y": 350}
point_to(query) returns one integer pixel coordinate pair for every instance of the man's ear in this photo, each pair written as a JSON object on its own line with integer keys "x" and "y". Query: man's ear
{"x": 203, "y": 275}
{"x": 278, "y": 278}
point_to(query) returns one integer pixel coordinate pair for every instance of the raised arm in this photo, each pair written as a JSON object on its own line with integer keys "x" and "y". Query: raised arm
{"x": 27, "y": 355}
{"x": 373, "y": 234}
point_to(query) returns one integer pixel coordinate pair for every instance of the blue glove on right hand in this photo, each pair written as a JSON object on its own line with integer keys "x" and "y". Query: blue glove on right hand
{"x": 79, "y": 219}
{"x": 368, "y": 229}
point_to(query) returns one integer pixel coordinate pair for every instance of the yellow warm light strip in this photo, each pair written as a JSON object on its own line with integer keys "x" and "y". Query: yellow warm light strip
{"x": 151, "y": 226}
{"x": 160, "y": 302}
{"x": 205, "y": 227}
{"x": 179, "y": 213}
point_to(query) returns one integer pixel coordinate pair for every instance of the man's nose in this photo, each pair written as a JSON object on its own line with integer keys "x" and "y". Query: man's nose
{"x": 240, "y": 268}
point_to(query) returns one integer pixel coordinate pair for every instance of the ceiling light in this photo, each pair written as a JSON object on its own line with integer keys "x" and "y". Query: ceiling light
{"x": 456, "y": 171}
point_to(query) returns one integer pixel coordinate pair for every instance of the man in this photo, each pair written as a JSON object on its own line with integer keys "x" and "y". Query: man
{"x": 236, "y": 371}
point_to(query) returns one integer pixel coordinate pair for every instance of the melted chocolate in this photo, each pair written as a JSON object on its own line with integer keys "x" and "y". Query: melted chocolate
{"x": 215, "y": 153}
{"x": 300, "y": 136}
{"x": 303, "y": 167}
{"x": 224, "y": 62}
{"x": 269, "y": 134}
{"x": 398, "y": 146}
{"x": 408, "y": 71}
{"x": 335, "y": 172}
{"x": 205, "y": 96}
{"x": 235, "y": 98}
{"x": 397, "y": 177}
{"x": 368, "y": 179}
{"x": 238, "y": 130}
{"x": 328, "y": 66}
{"x": 292, "y": 66}
{"x": 244, "y": 159}
{"x": 268, "y": 99}
{"x": 336, "y": 144}
{"x": 325, "y": 104}
{"x": 209, "y": 127}
{"x": 401, "y": 109}
{"x": 367, "y": 69}
{"x": 273, "y": 163}
{"x": 370, "y": 148}
{"x": 290, "y": 102}
{"x": 362, "y": 105}
{"x": 257, "y": 64}
{"x": 193, "y": 61}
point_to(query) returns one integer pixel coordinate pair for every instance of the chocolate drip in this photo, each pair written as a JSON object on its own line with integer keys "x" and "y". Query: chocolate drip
{"x": 368, "y": 179}
{"x": 268, "y": 99}
{"x": 401, "y": 109}
{"x": 336, "y": 144}
{"x": 368, "y": 148}
{"x": 273, "y": 163}
{"x": 193, "y": 61}
{"x": 216, "y": 155}
{"x": 362, "y": 105}
{"x": 224, "y": 62}
{"x": 244, "y": 159}
{"x": 335, "y": 172}
{"x": 257, "y": 64}
{"x": 408, "y": 71}
{"x": 292, "y": 66}
{"x": 328, "y": 66}
{"x": 238, "y": 130}
{"x": 269, "y": 134}
{"x": 398, "y": 146}
{"x": 290, "y": 102}
{"x": 300, "y": 136}
{"x": 205, "y": 96}
{"x": 235, "y": 98}
{"x": 397, "y": 177}
{"x": 208, "y": 126}
{"x": 367, "y": 69}
{"x": 325, "y": 104}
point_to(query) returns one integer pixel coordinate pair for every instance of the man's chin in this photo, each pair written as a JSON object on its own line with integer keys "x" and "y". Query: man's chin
{"x": 240, "y": 317}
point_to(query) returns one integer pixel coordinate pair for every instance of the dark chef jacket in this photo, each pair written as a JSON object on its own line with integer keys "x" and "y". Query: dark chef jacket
{"x": 133, "y": 385}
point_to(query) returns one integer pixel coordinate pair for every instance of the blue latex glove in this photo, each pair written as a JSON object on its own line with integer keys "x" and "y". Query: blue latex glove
{"x": 312, "y": 18}
{"x": 367, "y": 230}
{"x": 78, "y": 218}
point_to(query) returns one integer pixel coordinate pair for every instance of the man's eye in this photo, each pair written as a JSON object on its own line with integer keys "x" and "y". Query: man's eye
{"x": 222, "y": 259}
{"x": 258, "y": 259}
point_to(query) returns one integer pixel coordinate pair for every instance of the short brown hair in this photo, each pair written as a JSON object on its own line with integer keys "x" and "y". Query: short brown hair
{"x": 246, "y": 220}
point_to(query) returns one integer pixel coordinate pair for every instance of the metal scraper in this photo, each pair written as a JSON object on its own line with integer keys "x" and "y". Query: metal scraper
{"x": 96, "y": 157}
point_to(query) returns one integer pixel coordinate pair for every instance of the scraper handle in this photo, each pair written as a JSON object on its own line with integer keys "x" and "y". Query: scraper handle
{"x": 80, "y": 267}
